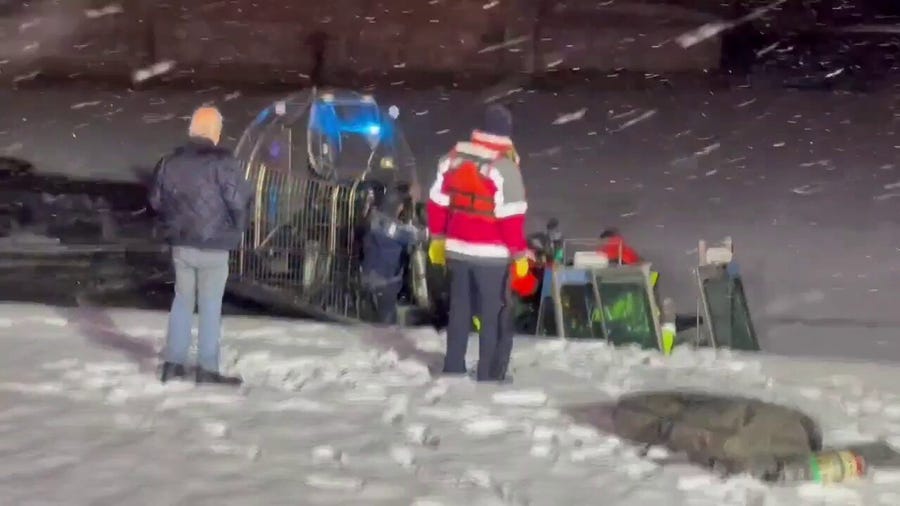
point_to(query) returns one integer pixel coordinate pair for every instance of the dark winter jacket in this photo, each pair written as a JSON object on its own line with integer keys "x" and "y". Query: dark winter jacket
{"x": 383, "y": 246}
{"x": 201, "y": 194}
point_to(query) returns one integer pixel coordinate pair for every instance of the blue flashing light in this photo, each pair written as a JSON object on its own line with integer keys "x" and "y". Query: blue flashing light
{"x": 263, "y": 114}
{"x": 373, "y": 129}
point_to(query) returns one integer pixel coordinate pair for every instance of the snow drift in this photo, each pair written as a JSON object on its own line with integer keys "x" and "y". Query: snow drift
{"x": 334, "y": 415}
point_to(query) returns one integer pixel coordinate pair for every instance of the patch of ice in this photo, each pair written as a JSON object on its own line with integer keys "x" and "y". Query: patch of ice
{"x": 889, "y": 498}
{"x": 830, "y": 494}
{"x": 215, "y": 429}
{"x": 259, "y": 332}
{"x": 851, "y": 408}
{"x": 357, "y": 397}
{"x": 885, "y": 476}
{"x": 402, "y": 455}
{"x": 591, "y": 452}
{"x": 810, "y": 392}
{"x": 332, "y": 482}
{"x": 545, "y": 451}
{"x": 545, "y": 414}
{"x": 421, "y": 434}
{"x": 435, "y": 394}
{"x": 640, "y": 469}
{"x": 845, "y": 435}
{"x": 226, "y": 448}
{"x": 486, "y": 426}
{"x": 583, "y": 433}
{"x": 543, "y": 433}
{"x": 398, "y": 405}
{"x": 552, "y": 346}
{"x": 522, "y": 398}
{"x": 299, "y": 404}
{"x": 658, "y": 453}
{"x": 427, "y": 501}
{"x": 50, "y": 321}
{"x": 208, "y": 399}
{"x": 327, "y": 454}
{"x": 892, "y": 411}
{"x": 417, "y": 371}
{"x": 46, "y": 388}
{"x": 129, "y": 421}
{"x": 111, "y": 368}
{"x": 871, "y": 405}
{"x": 478, "y": 477}
{"x": 696, "y": 482}
{"x": 66, "y": 363}
{"x": 893, "y": 442}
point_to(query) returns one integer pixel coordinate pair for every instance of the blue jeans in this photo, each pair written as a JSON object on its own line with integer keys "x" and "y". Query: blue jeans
{"x": 200, "y": 277}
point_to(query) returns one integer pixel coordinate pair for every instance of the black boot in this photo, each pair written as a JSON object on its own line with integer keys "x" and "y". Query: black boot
{"x": 172, "y": 370}
{"x": 204, "y": 376}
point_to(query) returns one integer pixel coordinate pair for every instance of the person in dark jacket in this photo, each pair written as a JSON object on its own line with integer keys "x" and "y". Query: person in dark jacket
{"x": 202, "y": 197}
{"x": 384, "y": 245}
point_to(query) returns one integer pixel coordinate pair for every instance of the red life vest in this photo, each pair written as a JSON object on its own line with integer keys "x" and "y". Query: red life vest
{"x": 470, "y": 191}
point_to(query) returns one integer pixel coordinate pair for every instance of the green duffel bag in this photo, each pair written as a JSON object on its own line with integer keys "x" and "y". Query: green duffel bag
{"x": 731, "y": 434}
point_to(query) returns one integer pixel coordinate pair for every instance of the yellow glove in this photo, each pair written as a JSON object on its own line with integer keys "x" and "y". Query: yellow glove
{"x": 436, "y": 252}
{"x": 521, "y": 267}
{"x": 476, "y": 323}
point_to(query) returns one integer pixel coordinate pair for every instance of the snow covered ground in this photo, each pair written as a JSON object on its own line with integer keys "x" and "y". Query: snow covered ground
{"x": 330, "y": 415}
{"x": 805, "y": 181}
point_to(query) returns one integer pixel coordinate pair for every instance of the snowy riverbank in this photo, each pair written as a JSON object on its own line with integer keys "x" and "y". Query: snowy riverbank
{"x": 330, "y": 416}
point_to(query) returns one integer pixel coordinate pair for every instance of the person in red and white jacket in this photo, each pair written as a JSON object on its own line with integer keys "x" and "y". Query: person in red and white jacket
{"x": 476, "y": 218}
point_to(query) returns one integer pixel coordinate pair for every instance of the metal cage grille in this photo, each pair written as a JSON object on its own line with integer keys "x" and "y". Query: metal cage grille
{"x": 303, "y": 244}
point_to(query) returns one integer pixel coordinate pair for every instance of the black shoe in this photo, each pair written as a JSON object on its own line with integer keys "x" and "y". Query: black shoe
{"x": 204, "y": 376}
{"x": 506, "y": 379}
{"x": 445, "y": 371}
{"x": 172, "y": 370}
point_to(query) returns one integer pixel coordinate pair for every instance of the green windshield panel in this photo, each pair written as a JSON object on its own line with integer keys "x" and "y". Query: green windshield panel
{"x": 628, "y": 312}
{"x": 728, "y": 313}
{"x": 578, "y": 309}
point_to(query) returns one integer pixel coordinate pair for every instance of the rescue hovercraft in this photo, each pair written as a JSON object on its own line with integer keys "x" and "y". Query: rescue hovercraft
{"x": 319, "y": 161}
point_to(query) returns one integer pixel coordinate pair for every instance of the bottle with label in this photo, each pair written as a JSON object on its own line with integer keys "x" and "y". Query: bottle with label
{"x": 825, "y": 467}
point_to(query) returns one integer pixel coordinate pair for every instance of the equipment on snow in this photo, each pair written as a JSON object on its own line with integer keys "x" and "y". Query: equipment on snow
{"x": 302, "y": 250}
{"x": 825, "y": 467}
{"x": 730, "y": 434}
{"x": 734, "y": 435}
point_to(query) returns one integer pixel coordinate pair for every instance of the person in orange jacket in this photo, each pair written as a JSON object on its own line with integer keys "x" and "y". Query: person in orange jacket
{"x": 616, "y": 249}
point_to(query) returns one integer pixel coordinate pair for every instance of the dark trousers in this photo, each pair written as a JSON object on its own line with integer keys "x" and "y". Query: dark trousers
{"x": 385, "y": 298}
{"x": 483, "y": 290}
